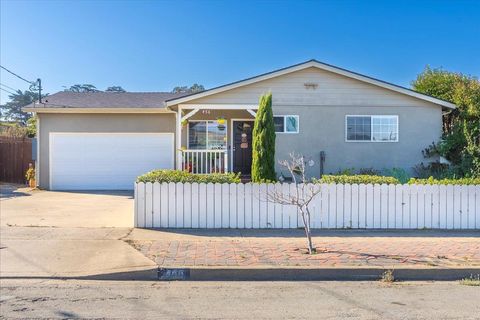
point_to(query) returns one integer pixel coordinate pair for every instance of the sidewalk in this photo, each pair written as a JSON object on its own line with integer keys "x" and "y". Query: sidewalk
{"x": 71, "y": 253}
{"x": 273, "y": 249}
{"x": 109, "y": 254}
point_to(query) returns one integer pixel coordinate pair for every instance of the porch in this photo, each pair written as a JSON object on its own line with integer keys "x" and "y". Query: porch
{"x": 215, "y": 138}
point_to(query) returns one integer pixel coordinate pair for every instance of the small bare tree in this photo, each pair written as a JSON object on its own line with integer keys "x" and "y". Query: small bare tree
{"x": 304, "y": 193}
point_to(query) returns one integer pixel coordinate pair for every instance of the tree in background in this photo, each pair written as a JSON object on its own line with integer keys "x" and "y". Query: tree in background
{"x": 461, "y": 127}
{"x": 115, "y": 89}
{"x": 32, "y": 127}
{"x": 263, "y": 146}
{"x": 185, "y": 89}
{"x": 82, "y": 88}
{"x": 12, "y": 110}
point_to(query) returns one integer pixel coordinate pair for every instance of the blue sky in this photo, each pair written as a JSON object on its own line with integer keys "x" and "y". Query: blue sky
{"x": 156, "y": 45}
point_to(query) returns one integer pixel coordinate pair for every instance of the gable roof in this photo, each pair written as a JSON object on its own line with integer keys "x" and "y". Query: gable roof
{"x": 93, "y": 100}
{"x": 304, "y": 65}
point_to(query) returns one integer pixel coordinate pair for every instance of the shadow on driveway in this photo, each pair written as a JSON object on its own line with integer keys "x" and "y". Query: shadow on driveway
{"x": 120, "y": 193}
{"x": 9, "y": 190}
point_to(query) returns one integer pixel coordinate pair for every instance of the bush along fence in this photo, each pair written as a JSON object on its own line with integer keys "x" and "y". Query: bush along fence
{"x": 336, "y": 206}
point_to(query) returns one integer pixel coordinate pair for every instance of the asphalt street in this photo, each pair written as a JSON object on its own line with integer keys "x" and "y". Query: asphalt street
{"x": 76, "y": 299}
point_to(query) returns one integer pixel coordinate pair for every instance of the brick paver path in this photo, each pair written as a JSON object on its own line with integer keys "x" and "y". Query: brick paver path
{"x": 388, "y": 252}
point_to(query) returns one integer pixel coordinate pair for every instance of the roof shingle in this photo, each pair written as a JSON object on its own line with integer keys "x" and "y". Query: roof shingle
{"x": 66, "y": 99}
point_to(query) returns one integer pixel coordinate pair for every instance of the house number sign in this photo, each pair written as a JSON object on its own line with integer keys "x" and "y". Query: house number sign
{"x": 173, "y": 274}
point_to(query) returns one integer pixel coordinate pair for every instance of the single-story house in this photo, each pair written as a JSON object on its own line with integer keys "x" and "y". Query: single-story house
{"x": 104, "y": 140}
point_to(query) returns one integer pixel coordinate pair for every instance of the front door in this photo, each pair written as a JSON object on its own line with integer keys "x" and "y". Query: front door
{"x": 242, "y": 146}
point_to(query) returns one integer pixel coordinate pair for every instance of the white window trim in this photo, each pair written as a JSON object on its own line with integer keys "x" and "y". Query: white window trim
{"x": 371, "y": 127}
{"x": 285, "y": 123}
{"x": 206, "y": 138}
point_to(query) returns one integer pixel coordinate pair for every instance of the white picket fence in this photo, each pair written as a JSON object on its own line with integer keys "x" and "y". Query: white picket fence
{"x": 337, "y": 206}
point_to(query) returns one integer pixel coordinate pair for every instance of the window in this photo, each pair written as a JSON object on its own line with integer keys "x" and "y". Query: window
{"x": 372, "y": 128}
{"x": 359, "y": 128}
{"x": 207, "y": 135}
{"x": 286, "y": 124}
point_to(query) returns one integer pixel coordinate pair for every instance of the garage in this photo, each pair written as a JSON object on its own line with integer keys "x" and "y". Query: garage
{"x": 106, "y": 161}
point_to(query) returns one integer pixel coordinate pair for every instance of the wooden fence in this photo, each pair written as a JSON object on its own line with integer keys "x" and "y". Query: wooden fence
{"x": 15, "y": 156}
{"x": 337, "y": 206}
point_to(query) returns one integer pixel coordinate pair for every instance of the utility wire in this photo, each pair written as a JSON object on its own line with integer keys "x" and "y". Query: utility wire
{"x": 7, "y": 91}
{"x": 1, "y": 84}
{"x": 16, "y": 75}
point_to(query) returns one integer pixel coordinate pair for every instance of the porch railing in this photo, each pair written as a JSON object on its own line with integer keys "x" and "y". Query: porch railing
{"x": 205, "y": 161}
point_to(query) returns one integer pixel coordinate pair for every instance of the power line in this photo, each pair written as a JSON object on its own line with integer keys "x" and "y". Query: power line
{"x": 7, "y": 91}
{"x": 16, "y": 75}
{"x": 1, "y": 84}
{"x": 34, "y": 85}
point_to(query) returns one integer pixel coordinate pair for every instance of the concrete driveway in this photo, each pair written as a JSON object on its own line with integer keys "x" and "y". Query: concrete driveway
{"x": 21, "y": 206}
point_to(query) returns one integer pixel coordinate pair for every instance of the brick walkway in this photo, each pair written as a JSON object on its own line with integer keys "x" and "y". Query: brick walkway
{"x": 373, "y": 250}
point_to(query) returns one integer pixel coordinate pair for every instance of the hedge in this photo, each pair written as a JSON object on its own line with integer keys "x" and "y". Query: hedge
{"x": 184, "y": 176}
{"x": 358, "y": 179}
{"x": 432, "y": 181}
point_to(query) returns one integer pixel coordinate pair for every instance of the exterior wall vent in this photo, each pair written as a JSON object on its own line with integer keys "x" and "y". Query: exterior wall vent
{"x": 310, "y": 85}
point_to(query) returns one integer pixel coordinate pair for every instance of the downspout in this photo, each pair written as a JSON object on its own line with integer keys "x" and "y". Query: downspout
{"x": 322, "y": 163}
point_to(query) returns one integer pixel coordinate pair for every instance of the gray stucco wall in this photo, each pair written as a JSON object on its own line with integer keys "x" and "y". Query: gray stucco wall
{"x": 322, "y": 128}
{"x": 96, "y": 123}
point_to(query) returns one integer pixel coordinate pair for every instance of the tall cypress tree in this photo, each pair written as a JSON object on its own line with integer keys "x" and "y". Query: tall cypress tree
{"x": 263, "y": 147}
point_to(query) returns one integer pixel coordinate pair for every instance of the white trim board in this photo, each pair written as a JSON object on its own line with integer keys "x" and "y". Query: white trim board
{"x": 98, "y": 110}
{"x": 305, "y": 65}
{"x": 233, "y": 106}
{"x": 37, "y": 164}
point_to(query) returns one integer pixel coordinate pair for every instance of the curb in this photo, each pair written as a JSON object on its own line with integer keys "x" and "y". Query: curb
{"x": 311, "y": 274}
{"x": 266, "y": 274}
{"x": 150, "y": 274}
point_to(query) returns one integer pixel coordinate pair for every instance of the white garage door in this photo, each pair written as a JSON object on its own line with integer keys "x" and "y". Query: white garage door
{"x": 106, "y": 161}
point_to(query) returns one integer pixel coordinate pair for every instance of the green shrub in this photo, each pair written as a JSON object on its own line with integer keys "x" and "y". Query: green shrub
{"x": 434, "y": 169}
{"x": 184, "y": 176}
{"x": 369, "y": 172}
{"x": 263, "y": 145}
{"x": 361, "y": 171}
{"x": 398, "y": 173}
{"x": 345, "y": 172}
{"x": 358, "y": 179}
{"x": 432, "y": 180}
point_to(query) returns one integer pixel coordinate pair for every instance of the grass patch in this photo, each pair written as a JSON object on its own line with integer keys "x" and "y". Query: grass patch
{"x": 387, "y": 276}
{"x": 473, "y": 281}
